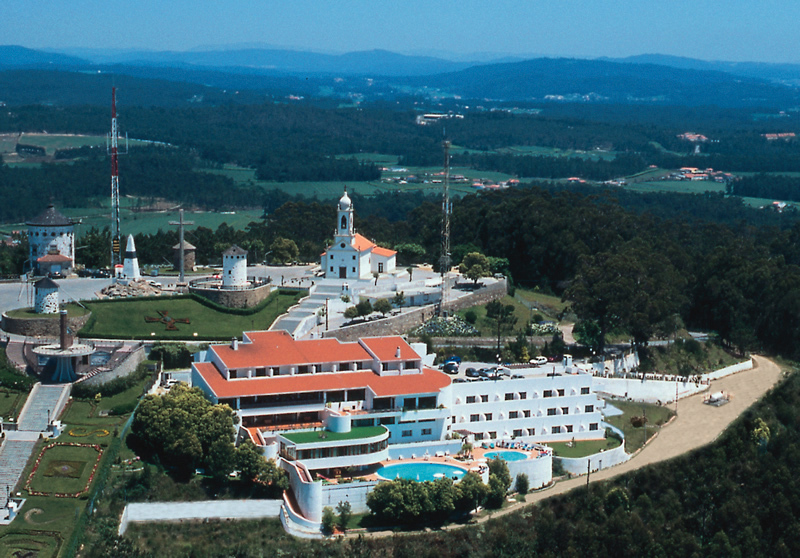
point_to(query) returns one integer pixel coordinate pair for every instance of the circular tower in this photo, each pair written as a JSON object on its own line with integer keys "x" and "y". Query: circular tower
{"x": 46, "y": 296}
{"x": 234, "y": 268}
{"x": 49, "y": 234}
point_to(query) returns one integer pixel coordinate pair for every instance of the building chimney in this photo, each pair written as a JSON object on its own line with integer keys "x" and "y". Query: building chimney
{"x": 235, "y": 344}
{"x": 397, "y": 353}
{"x": 63, "y": 332}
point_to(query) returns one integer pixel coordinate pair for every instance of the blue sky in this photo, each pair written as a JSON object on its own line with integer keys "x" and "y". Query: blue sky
{"x": 759, "y": 30}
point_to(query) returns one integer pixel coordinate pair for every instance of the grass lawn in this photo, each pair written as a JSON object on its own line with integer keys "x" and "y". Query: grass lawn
{"x": 324, "y": 436}
{"x": 73, "y": 311}
{"x": 64, "y": 469}
{"x": 635, "y": 437}
{"x": 486, "y": 329}
{"x": 583, "y": 448}
{"x": 548, "y": 305}
{"x": 125, "y": 319}
{"x": 11, "y": 402}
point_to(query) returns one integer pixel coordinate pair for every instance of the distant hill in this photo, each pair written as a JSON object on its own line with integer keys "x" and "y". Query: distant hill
{"x": 603, "y": 81}
{"x": 787, "y": 73}
{"x": 12, "y": 56}
{"x": 372, "y": 62}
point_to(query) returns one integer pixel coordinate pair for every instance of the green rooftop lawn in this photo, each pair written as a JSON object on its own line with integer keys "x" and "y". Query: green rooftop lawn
{"x": 583, "y": 448}
{"x": 125, "y": 319}
{"x": 657, "y": 415}
{"x": 73, "y": 311}
{"x": 354, "y": 434}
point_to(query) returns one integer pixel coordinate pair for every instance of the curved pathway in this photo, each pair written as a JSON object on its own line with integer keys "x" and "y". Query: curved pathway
{"x": 696, "y": 425}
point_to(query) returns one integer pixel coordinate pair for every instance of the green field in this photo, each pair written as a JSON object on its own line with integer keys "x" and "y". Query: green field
{"x": 11, "y": 402}
{"x": 521, "y": 312}
{"x": 549, "y": 306}
{"x": 53, "y": 142}
{"x": 583, "y": 448}
{"x": 64, "y": 469}
{"x": 73, "y": 311}
{"x": 125, "y": 319}
{"x": 635, "y": 437}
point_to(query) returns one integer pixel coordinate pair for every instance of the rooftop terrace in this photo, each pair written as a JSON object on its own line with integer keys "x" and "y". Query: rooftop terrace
{"x": 316, "y": 436}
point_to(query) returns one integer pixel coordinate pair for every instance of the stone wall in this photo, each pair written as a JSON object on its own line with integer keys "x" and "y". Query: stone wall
{"x": 41, "y": 327}
{"x": 402, "y": 323}
{"x": 123, "y": 369}
{"x": 244, "y": 298}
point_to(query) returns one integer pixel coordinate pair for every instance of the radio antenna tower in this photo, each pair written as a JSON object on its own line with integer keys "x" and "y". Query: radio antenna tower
{"x": 114, "y": 150}
{"x": 444, "y": 259}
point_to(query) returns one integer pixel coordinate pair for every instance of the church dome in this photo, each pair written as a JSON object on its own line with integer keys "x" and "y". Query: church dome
{"x": 344, "y": 202}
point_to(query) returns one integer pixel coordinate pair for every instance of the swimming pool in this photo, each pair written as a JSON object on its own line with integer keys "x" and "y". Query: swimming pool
{"x": 420, "y": 471}
{"x": 507, "y": 455}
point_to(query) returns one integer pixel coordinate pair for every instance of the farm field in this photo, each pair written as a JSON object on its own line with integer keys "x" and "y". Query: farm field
{"x": 125, "y": 319}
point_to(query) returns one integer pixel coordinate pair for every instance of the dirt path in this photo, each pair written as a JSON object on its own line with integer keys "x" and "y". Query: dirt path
{"x": 696, "y": 425}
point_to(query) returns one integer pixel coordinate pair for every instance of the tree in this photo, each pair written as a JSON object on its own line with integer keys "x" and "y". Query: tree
{"x": 399, "y": 299}
{"x": 284, "y": 250}
{"x": 351, "y": 312}
{"x": 383, "y": 306}
{"x": 249, "y": 461}
{"x": 587, "y": 332}
{"x": 475, "y": 266}
{"x": 364, "y": 307}
{"x": 522, "y": 485}
{"x": 501, "y": 317}
{"x": 410, "y": 253}
{"x": 345, "y": 512}
{"x": 328, "y": 520}
{"x": 471, "y": 492}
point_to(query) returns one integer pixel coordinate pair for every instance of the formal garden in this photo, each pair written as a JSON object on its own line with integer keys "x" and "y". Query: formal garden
{"x": 182, "y": 317}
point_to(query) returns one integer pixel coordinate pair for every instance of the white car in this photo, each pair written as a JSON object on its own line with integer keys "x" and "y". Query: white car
{"x": 539, "y": 361}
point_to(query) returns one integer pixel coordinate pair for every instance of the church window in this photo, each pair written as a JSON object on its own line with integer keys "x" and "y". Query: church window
{"x": 344, "y": 222}
{"x": 331, "y": 268}
{"x": 354, "y": 270}
{"x": 354, "y": 257}
{"x": 342, "y": 244}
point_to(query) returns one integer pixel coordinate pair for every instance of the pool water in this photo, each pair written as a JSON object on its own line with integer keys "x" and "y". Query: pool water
{"x": 99, "y": 358}
{"x": 507, "y": 455}
{"x": 420, "y": 471}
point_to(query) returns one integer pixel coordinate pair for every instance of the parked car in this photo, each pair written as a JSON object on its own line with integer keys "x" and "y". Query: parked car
{"x": 517, "y": 377}
{"x": 459, "y": 380}
{"x": 472, "y": 373}
{"x": 450, "y": 368}
{"x": 453, "y": 358}
{"x": 539, "y": 361}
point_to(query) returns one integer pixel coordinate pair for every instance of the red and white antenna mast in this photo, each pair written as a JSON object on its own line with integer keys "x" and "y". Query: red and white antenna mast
{"x": 115, "y": 234}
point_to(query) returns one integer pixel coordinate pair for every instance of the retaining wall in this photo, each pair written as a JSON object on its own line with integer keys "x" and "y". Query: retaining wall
{"x": 41, "y": 327}
{"x": 578, "y": 465}
{"x": 245, "y": 298}
{"x": 728, "y": 370}
{"x": 354, "y": 492}
{"x": 125, "y": 368}
{"x": 402, "y": 323}
{"x": 539, "y": 471}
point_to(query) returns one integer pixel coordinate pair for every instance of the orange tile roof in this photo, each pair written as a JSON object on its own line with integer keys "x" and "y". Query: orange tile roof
{"x": 429, "y": 381}
{"x": 362, "y": 243}
{"x": 381, "y": 251}
{"x": 278, "y": 348}
{"x": 385, "y": 348}
{"x": 54, "y": 258}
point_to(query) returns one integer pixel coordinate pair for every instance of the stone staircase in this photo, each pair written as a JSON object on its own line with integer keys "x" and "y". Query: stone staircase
{"x": 44, "y": 402}
{"x": 14, "y": 455}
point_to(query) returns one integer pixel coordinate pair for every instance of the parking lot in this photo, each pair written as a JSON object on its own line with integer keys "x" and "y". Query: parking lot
{"x": 482, "y": 371}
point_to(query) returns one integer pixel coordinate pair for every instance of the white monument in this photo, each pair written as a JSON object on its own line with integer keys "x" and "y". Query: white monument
{"x": 130, "y": 265}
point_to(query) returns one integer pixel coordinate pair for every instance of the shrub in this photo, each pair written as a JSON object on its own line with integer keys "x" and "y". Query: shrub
{"x": 522, "y": 485}
{"x": 328, "y": 520}
{"x": 471, "y": 316}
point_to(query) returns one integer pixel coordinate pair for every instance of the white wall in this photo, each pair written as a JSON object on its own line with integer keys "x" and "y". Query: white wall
{"x": 354, "y": 492}
{"x": 578, "y": 465}
{"x": 651, "y": 391}
{"x": 539, "y": 471}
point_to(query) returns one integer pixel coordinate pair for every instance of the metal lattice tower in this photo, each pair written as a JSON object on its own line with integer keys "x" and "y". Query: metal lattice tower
{"x": 444, "y": 259}
{"x": 115, "y": 234}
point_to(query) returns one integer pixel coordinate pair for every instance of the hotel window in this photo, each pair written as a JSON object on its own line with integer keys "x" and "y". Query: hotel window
{"x": 523, "y": 395}
{"x": 551, "y": 412}
{"x": 493, "y": 435}
{"x": 513, "y": 414}
{"x": 564, "y": 410}
{"x": 470, "y": 399}
{"x": 584, "y": 391}
{"x": 426, "y": 431}
{"x": 484, "y": 398}
{"x": 593, "y": 426}
{"x": 588, "y": 409}
{"x": 561, "y": 393}
{"x": 568, "y": 427}
{"x": 261, "y": 372}
{"x": 555, "y": 430}
{"x": 509, "y": 396}
{"x": 519, "y": 432}
{"x": 526, "y": 413}
{"x": 407, "y": 433}
{"x": 488, "y": 416}
{"x": 548, "y": 393}
{"x": 474, "y": 418}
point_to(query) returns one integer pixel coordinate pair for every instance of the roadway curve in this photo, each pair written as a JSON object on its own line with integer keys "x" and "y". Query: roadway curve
{"x": 696, "y": 425}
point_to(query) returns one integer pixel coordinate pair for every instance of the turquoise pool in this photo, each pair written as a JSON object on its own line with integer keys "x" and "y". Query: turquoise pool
{"x": 420, "y": 471}
{"x": 507, "y": 455}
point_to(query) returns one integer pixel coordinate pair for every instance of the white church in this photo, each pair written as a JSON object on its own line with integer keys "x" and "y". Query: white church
{"x": 353, "y": 256}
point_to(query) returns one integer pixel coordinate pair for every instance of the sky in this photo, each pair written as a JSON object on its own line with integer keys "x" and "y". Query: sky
{"x": 736, "y": 30}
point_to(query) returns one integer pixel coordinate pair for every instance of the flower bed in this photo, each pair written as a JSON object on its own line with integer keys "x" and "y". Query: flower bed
{"x": 100, "y": 432}
{"x": 446, "y": 327}
{"x": 81, "y": 492}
